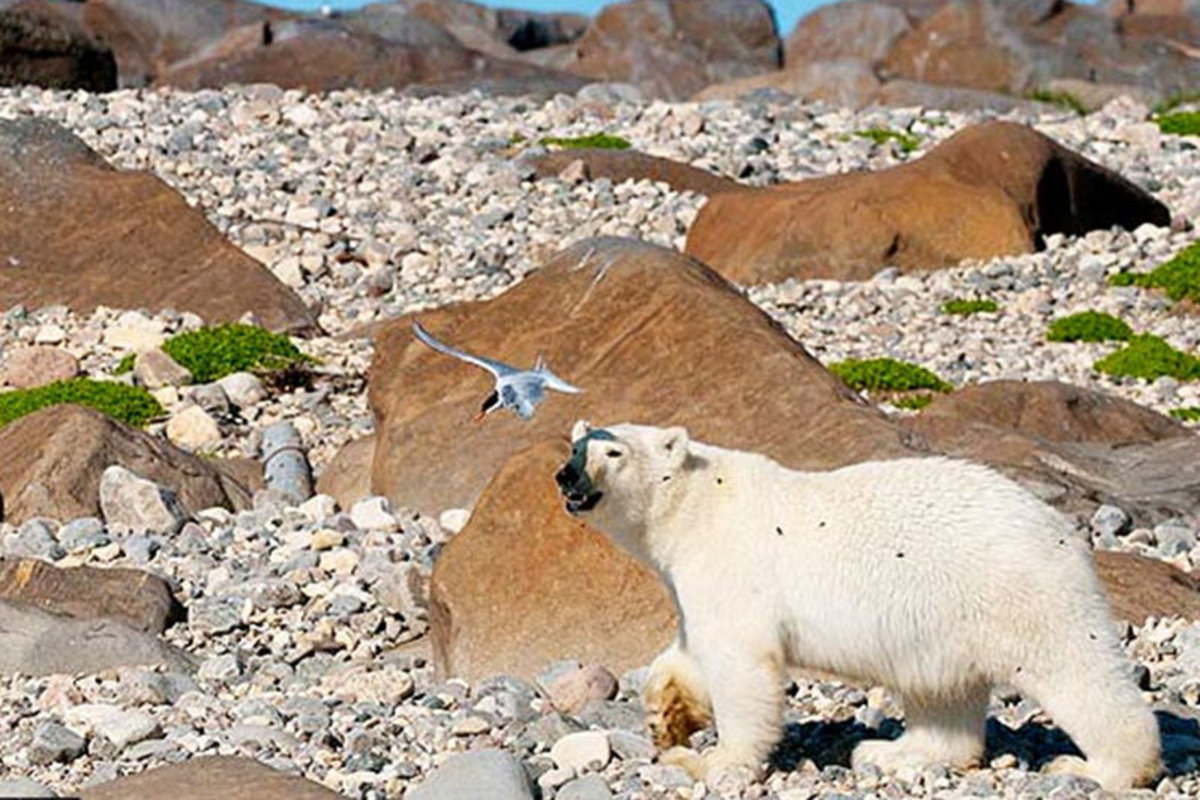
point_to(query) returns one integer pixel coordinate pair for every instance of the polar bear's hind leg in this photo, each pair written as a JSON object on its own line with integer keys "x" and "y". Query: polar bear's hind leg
{"x": 1088, "y": 694}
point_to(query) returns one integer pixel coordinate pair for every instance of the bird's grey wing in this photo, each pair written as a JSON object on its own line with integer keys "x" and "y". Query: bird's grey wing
{"x": 556, "y": 383}
{"x": 497, "y": 368}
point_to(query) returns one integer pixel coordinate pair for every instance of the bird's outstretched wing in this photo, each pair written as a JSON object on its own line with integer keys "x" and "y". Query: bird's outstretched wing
{"x": 497, "y": 368}
{"x": 556, "y": 383}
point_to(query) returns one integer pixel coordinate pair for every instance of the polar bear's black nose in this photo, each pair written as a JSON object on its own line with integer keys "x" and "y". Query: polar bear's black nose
{"x": 567, "y": 477}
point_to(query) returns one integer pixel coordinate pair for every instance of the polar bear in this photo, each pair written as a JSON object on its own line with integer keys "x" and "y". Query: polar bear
{"x": 934, "y": 577}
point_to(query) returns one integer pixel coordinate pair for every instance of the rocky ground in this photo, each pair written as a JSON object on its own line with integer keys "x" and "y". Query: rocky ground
{"x": 376, "y": 205}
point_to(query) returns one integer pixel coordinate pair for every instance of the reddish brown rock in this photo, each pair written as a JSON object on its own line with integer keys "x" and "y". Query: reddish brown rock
{"x": 359, "y": 53}
{"x": 860, "y": 30}
{"x": 79, "y": 233}
{"x": 40, "y": 48}
{"x": 37, "y": 365}
{"x": 525, "y": 584}
{"x": 138, "y": 599}
{"x": 629, "y": 323}
{"x": 672, "y": 49}
{"x": 1075, "y": 447}
{"x": 347, "y": 478}
{"x": 147, "y": 37}
{"x": 992, "y": 189}
{"x": 204, "y": 777}
{"x": 54, "y": 459}
{"x": 845, "y": 83}
{"x": 630, "y": 165}
{"x": 1141, "y": 587}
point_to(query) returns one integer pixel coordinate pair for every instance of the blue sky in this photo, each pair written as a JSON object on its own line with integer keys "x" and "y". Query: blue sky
{"x": 786, "y": 11}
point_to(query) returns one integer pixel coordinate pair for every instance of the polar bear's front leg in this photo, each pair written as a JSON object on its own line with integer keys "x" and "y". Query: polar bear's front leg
{"x": 747, "y": 702}
{"x": 675, "y": 698}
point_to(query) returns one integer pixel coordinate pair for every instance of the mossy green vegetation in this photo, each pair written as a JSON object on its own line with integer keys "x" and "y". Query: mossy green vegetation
{"x": 966, "y": 307}
{"x": 1149, "y": 357}
{"x": 1064, "y": 100}
{"x": 1182, "y": 123}
{"x": 1179, "y": 277}
{"x": 125, "y": 364}
{"x": 887, "y": 375}
{"x": 603, "y": 141}
{"x": 907, "y": 141}
{"x": 1188, "y": 414}
{"x": 212, "y": 353}
{"x": 912, "y": 402}
{"x": 131, "y": 405}
{"x": 1175, "y": 100}
{"x": 1089, "y": 326}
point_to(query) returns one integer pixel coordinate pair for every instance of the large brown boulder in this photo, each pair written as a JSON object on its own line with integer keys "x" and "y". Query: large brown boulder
{"x": 672, "y": 48}
{"x": 650, "y": 335}
{"x": 42, "y": 49}
{"x": 992, "y": 189}
{"x": 77, "y": 232}
{"x": 630, "y": 165}
{"x": 860, "y": 30}
{"x": 146, "y": 37}
{"x": 138, "y": 599}
{"x": 525, "y": 584}
{"x": 54, "y": 459}
{"x": 1076, "y": 447}
{"x": 204, "y": 777}
{"x": 513, "y": 30}
{"x": 846, "y": 83}
{"x": 1004, "y": 46}
{"x": 1140, "y": 587}
{"x": 377, "y": 49}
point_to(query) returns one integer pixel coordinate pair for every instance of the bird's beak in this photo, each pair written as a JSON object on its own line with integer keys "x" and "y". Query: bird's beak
{"x": 479, "y": 416}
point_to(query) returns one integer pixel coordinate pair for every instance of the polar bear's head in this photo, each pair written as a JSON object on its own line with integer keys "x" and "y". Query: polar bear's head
{"x": 622, "y": 476}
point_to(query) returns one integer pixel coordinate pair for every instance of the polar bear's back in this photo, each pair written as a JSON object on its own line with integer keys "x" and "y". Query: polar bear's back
{"x": 881, "y": 560}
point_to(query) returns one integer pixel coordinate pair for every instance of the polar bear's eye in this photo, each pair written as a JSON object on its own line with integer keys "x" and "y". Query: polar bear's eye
{"x": 613, "y": 454}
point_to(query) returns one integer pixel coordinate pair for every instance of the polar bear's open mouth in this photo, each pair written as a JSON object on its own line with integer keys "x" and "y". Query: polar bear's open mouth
{"x": 578, "y": 501}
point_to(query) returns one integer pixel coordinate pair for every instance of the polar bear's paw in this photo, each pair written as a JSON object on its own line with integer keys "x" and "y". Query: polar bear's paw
{"x": 890, "y": 755}
{"x": 725, "y": 776}
{"x": 1071, "y": 765}
{"x": 673, "y": 715}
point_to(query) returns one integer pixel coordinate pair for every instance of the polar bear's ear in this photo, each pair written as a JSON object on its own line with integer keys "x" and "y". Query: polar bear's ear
{"x": 582, "y": 428}
{"x": 674, "y": 445}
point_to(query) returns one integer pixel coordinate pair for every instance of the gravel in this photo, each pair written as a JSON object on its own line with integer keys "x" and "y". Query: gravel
{"x": 309, "y": 623}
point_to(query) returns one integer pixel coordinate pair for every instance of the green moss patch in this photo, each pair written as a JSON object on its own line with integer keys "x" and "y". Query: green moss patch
{"x": 1064, "y": 100}
{"x": 907, "y": 141}
{"x": 1182, "y": 123}
{"x": 912, "y": 402}
{"x": 967, "y": 307}
{"x": 1089, "y": 326}
{"x": 1175, "y": 100}
{"x": 212, "y": 353}
{"x": 1189, "y": 414}
{"x": 1179, "y": 277}
{"x": 887, "y": 375}
{"x": 1149, "y": 357}
{"x": 131, "y": 405}
{"x": 125, "y": 364}
{"x": 603, "y": 141}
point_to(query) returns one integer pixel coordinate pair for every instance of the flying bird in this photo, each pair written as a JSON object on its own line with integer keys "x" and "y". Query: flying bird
{"x": 520, "y": 390}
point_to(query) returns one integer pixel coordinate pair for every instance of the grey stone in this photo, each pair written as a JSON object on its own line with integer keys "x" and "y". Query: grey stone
{"x": 1111, "y": 521}
{"x": 285, "y": 464}
{"x": 220, "y": 669}
{"x": 627, "y": 745}
{"x": 212, "y": 398}
{"x": 213, "y": 615}
{"x": 155, "y": 369}
{"x": 83, "y": 533}
{"x": 243, "y": 389}
{"x": 126, "y": 499}
{"x": 23, "y": 788}
{"x": 36, "y": 539}
{"x": 34, "y": 642}
{"x": 53, "y": 742}
{"x": 589, "y": 787}
{"x": 1174, "y": 537}
{"x": 476, "y": 775}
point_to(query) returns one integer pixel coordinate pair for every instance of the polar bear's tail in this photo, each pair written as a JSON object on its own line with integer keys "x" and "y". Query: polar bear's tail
{"x": 1089, "y": 693}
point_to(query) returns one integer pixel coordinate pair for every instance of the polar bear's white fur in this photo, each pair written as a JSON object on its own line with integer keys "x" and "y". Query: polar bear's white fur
{"x": 936, "y": 578}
